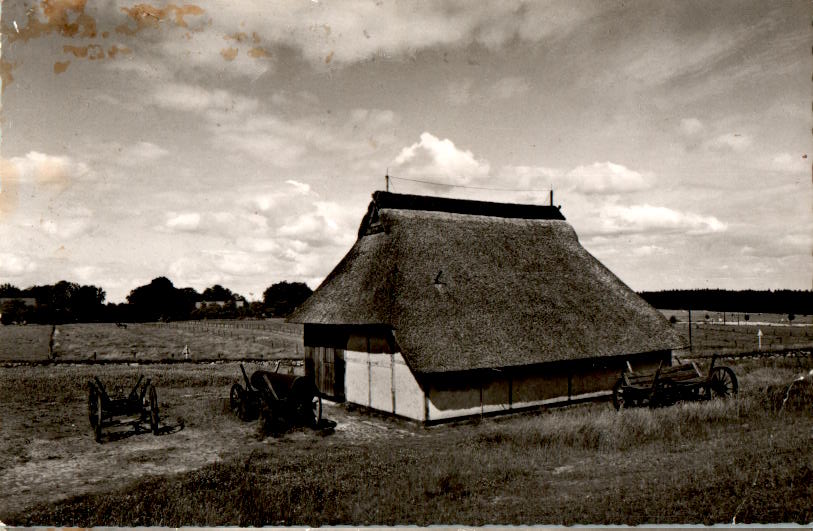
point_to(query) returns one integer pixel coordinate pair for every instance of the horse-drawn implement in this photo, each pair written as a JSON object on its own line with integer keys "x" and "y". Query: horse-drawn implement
{"x": 277, "y": 398}
{"x": 668, "y": 385}
{"x": 140, "y": 406}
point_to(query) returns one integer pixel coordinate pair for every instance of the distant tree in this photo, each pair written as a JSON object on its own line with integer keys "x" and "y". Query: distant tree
{"x": 282, "y": 298}
{"x": 217, "y": 293}
{"x": 256, "y": 309}
{"x": 14, "y": 311}
{"x": 161, "y": 300}
{"x": 673, "y": 319}
{"x": 7, "y": 290}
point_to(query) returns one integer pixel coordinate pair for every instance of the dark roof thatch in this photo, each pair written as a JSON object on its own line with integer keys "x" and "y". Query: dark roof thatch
{"x": 473, "y": 291}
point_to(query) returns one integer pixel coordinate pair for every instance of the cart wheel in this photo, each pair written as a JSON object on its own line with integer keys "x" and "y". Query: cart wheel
{"x": 722, "y": 383}
{"x": 95, "y": 412}
{"x": 618, "y": 394}
{"x": 153, "y": 394}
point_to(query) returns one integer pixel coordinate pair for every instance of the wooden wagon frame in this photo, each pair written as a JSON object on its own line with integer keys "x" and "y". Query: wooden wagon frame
{"x": 140, "y": 406}
{"x": 672, "y": 384}
{"x": 277, "y": 399}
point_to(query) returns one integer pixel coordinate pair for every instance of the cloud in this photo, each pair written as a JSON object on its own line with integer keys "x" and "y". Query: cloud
{"x": 691, "y": 126}
{"x": 616, "y": 218}
{"x": 510, "y": 87}
{"x": 787, "y": 163}
{"x": 183, "y": 222}
{"x": 606, "y": 178}
{"x": 730, "y": 142}
{"x": 301, "y": 188}
{"x": 42, "y": 168}
{"x": 142, "y": 152}
{"x": 194, "y": 98}
{"x": 14, "y": 265}
{"x": 648, "y": 250}
{"x": 328, "y": 34}
{"x": 439, "y": 160}
{"x": 327, "y": 224}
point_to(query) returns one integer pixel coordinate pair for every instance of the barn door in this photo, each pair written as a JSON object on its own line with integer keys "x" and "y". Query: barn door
{"x": 326, "y": 365}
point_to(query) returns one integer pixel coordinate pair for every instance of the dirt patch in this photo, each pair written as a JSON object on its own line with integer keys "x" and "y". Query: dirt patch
{"x": 48, "y": 453}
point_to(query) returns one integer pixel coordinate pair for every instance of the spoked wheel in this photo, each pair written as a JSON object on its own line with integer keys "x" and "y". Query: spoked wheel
{"x": 95, "y": 412}
{"x": 153, "y": 397}
{"x": 618, "y": 395}
{"x": 722, "y": 383}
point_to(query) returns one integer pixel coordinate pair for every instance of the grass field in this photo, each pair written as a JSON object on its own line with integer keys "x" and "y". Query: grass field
{"x": 743, "y": 460}
{"x": 274, "y": 339}
{"x": 208, "y": 340}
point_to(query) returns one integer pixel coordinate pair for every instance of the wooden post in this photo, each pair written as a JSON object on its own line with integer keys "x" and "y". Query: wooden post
{"x": 690, "y": 330}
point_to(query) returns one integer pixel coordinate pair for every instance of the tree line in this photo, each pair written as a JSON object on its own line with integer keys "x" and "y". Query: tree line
{"x": 799, "y": 302}
{"x": 160, "y": 300}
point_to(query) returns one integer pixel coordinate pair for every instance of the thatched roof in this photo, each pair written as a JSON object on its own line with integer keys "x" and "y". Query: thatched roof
{"x": 475, "y": 288}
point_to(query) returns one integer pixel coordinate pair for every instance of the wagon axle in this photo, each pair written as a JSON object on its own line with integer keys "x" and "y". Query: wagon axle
{"x": 139, "y": 407}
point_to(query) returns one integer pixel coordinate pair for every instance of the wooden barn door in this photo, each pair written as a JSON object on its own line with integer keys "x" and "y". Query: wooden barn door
{"x": 326, "y": 365}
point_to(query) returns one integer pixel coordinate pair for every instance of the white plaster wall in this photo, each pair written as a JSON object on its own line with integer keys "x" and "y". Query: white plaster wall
{"x": 381, "y": 382}
{"x": 409, "y": 397}
{"x": 357, "y": 377}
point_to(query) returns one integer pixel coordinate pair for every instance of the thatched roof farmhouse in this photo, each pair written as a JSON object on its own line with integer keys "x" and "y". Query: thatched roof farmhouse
{"x": 445, "y": 308}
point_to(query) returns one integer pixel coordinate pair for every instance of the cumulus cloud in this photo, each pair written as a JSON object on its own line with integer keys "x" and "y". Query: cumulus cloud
{"x": 326, "y": 224}
{"x": 606, "y": 178}
{"x": 440, "y": 160}
{"x": 14, "y": 265}
{"x": 42, "y": 168}
{"x": 648, "y": 218}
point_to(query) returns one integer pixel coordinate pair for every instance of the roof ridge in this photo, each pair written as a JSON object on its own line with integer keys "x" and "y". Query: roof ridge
{"x": 390, "y": 200}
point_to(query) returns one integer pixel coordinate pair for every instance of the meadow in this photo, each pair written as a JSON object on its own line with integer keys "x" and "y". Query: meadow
{"x": 203, "y": 340}
{"x": 745, "y": 460}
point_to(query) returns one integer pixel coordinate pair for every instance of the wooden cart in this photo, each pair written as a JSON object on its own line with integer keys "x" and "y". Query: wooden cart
{"x": 668, "y": 385}
{"x": 140, "y": 406}
{"x": 278, "y": 399}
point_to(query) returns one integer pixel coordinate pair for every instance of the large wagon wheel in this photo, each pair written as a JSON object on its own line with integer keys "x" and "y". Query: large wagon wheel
{"x": 722, "y": 383}
{"x": 95, "y": 411}
{"x": 153, "y": 397}
{"x": 618, "y": 395}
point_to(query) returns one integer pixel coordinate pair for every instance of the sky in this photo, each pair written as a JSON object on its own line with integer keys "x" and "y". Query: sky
{"x": 238, "y": 143}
